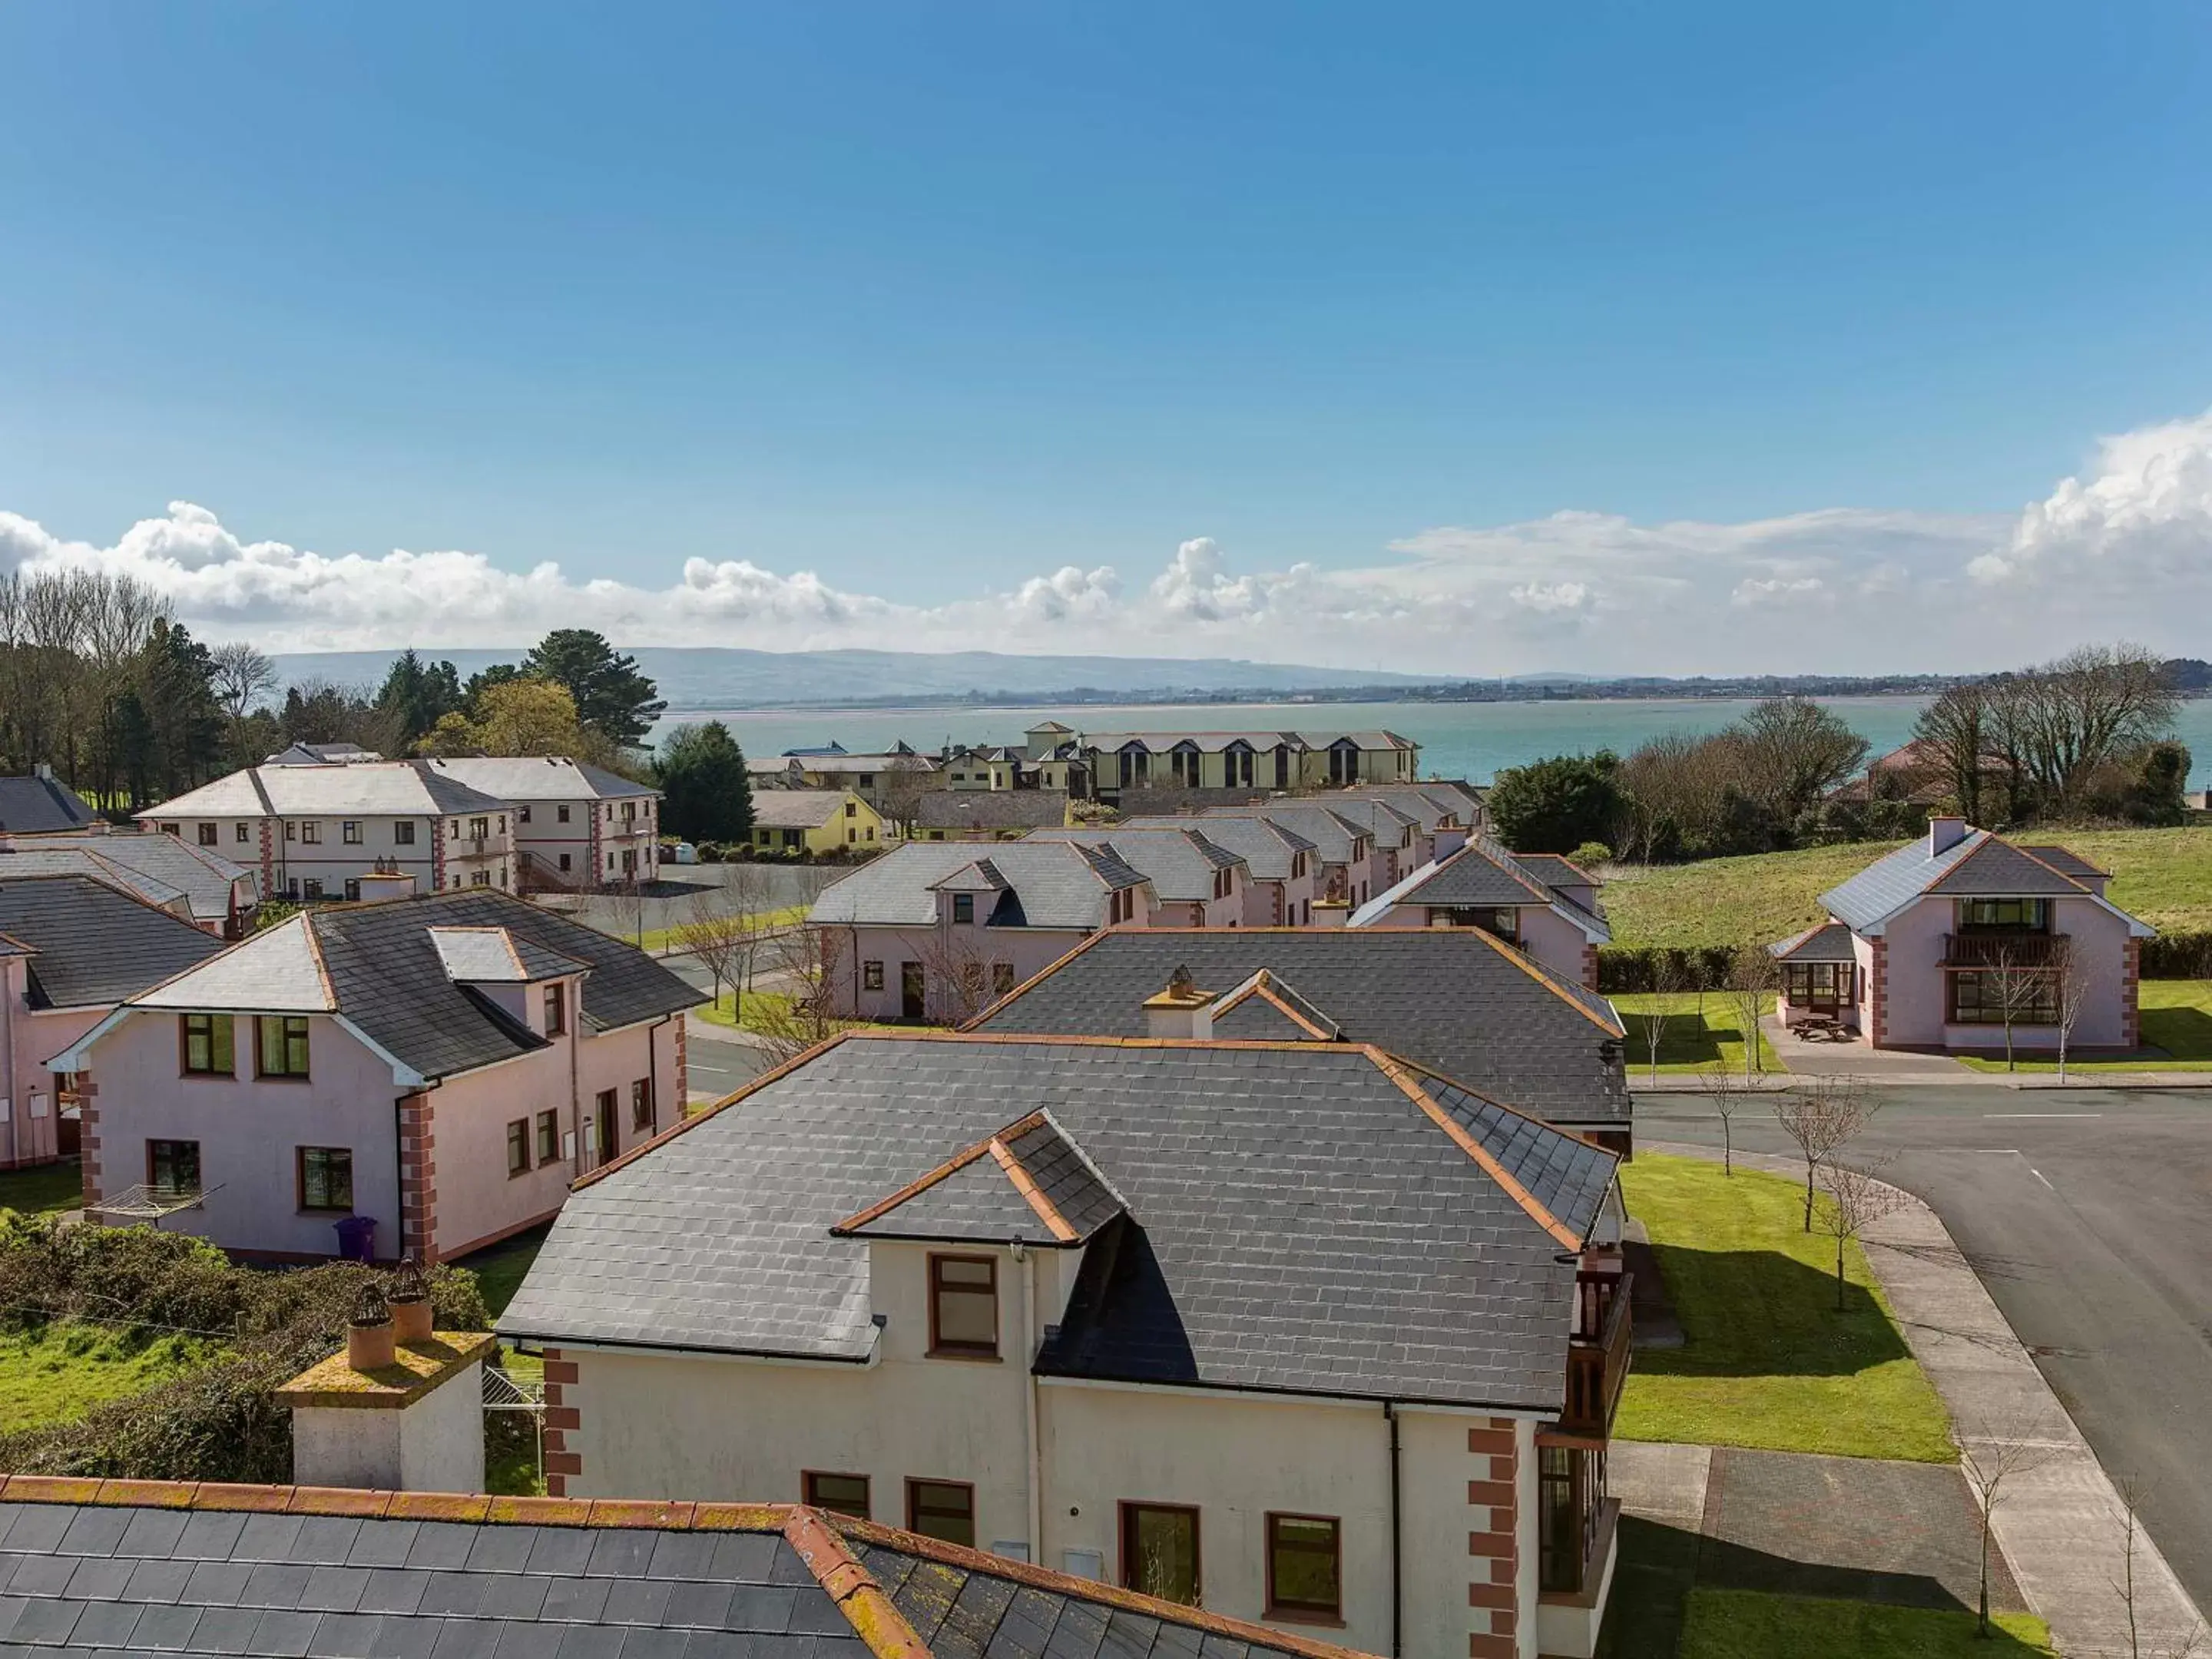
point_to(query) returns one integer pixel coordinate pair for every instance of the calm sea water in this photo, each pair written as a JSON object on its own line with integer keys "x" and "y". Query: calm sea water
{"x": 1470, "y": 740}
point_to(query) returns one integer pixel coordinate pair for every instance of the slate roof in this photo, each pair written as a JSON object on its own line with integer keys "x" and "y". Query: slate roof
{"x": 1300, "y": 1020}
{"x": 96, "y": 945}
{"x": 1828, "y": 942}
{"x": 1979, "y": 865}
{"x": 990, "y": 809}
{"x": 1553, "y": 871}
{"x": 2066, "y": 861}
{"x": 1481, "y": 873}
{"x": 273, "y": 1572}
{"x": 1304, "y": 1218}
{"x": 36, "y": 805}
{"x": 541, "y": 777}
{"x": 1049, "y": 884}
{"x": 380, "y": 965}
{"x": 210, "y": 883}
{"x": 1029, "y": 1181}
{"x": 1330, "y": 833}
{"x": 18, "y": 862}
{"x": 366, "y": 788}
{"x": 1387, "y": 824}
{"x": 1429, "y": 804}
{"x": 1265, "y": 846}
{"x": 797, "y": 809}
{"x": 1454, "y": 1000}
{"x": 1180, "y": 863}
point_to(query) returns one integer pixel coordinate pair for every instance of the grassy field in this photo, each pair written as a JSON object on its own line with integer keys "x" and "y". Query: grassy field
{"x": 43, "y": 1189}
{"x": 62, "y": 1370}
{"x": 2177, "y": 1022}
{"x": 2164, "y": 876}
{"x": 658, "y": 941}
{"x": 1697, "y": 1034}
{"x": 1733, "y": 1623}
{"x": 1767, "y": 1360}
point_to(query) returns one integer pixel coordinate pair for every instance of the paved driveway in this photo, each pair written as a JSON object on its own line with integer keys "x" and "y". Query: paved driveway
{"x": 2088, "y": 1216}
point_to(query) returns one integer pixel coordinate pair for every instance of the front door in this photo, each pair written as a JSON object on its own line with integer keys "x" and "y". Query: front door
{"x": 912, "y": 987}
{"x": 604, "y": 1140}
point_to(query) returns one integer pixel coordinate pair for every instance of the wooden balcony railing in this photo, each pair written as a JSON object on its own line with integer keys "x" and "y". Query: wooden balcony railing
{"x": 1597, "y": 1352}
{"x": 2004, "y": 950}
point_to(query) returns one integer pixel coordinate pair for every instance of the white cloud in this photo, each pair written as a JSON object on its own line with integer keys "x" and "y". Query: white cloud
{"x": 2126, "y": 550}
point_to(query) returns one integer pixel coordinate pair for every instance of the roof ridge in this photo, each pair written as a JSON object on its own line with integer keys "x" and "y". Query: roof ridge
{"x": 1400, "y": 1072}
{"x": 928, "y": 1178}
{"x": 1031, "y": 1193}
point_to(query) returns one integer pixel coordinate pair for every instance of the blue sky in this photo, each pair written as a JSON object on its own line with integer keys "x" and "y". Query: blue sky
{"x": 936, "y": 301}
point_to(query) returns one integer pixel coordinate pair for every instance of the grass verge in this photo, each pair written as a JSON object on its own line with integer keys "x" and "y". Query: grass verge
{"x": 2164, "y": 876}
{"x": 42, "y": 1189}
{"x": 56, "y": 1373}
{"x": 2177, "y": 1035}
{"x": 1767, "y": 1360}
{"x": 1698, "y": 1033}
{"x": 1734, "y": 1623}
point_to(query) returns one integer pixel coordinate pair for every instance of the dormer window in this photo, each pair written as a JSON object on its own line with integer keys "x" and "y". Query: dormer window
{"x": 963, "y": 1306}
{"x": 557, "y": 1011}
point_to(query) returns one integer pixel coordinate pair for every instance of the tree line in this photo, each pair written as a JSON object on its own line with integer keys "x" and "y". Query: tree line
{"x": 2085, "y": 738}
{"x": 101, "y": 683}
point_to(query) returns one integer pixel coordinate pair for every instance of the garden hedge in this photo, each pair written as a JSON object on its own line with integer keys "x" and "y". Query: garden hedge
{"x": 1632, "y": 968}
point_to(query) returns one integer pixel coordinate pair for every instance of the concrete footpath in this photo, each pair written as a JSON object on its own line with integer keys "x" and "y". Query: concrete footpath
{"x": 2058, "y": 1518}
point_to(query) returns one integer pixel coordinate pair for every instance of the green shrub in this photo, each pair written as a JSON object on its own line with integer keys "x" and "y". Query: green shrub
{"x": 2178, "y": 955}
{"x": 220, "y": 1421}
{"x": 1638, "y": 966}
{"x": 1590, "y": 855}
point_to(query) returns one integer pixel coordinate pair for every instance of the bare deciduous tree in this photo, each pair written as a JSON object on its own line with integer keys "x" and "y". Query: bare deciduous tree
{"x": 2180, "y": 1645}
{"x": 2073, "y": 983}
{"x": 1822, "y": 1116}
{"x": 1753, "y": 975}
{"x": 1857, "y": 1200}
{"x": 717, "y": 936}
{"x": 899, "y": 792}
{"x": 2017, "y": 980}
{"x": 1667, "y": 980}
{"x": 809, "y": 961}
{"x": 1992, "y": 1463}
{"x": 1729, "y": 1091}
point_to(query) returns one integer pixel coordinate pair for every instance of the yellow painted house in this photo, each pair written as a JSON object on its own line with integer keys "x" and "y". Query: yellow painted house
{"x": 816, "y": 820}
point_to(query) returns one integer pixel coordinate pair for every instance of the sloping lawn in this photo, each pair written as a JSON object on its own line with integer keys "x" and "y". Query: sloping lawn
{"x": 1767, "y": 1360}
{"x": 1697, "y": 1034}
{"x": 2164, "y": 876}
{"x": 2177, "y": 1024}
{"x": 54, "y": 1373}
{"x": 42, "y": 1189}
{"x": 499, "y": 1270}
{"x": 1733, "y": 1623}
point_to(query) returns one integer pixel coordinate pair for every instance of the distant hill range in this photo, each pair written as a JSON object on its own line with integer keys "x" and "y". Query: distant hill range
{"x": 721, "y": 678}
{"x": 713, "y": 677}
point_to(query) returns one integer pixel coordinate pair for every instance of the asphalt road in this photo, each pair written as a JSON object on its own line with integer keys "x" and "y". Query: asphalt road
{"x": 2088, "y": 1215}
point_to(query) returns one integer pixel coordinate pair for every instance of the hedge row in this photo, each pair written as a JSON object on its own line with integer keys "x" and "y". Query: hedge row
{"x": 1706, "y": 968}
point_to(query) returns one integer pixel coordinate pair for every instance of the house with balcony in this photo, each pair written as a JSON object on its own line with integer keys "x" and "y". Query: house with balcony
{"x": 1459, "y": 1001}
{"x": 72, "y": 947}
{"x": 576, "y": 827}
{"x": 1073, "y": 1300}
{"x": 1280, "y": 865}
{"x": 816, "y": 821}
{"x": 1961, "y": 936}
{"x": 1197, "y": 882}
{"x": 1542, "y": 905}
{"x": 310, "y": 833}
{"x": 442, "y": 1066}
{"x": 934, "y": 931}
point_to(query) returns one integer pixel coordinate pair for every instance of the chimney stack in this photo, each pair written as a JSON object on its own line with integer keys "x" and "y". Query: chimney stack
{"x": 394, "y": 1415}
{"x": 1944, "y": 834}
{"x": 1181, "y": 1011}
{"x": 383, "y": 885}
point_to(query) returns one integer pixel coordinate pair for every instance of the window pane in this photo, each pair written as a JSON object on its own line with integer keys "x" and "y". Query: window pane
{"x": 965, "y": 1319}
{"x": 941, "y": 1508}
{"x": 518, "y": 1146}
{"x": 1159, "y": 1552}
{"x": 174, "y": 1166}
{"x": 842, "y": 1494}
{"x": 548, "y": 1137}
{"x": 1303, "y": 1562}
{"x": 326, "y": 1178}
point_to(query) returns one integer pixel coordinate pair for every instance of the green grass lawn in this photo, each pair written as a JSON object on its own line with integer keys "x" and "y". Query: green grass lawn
{"x": 2164, "y": 876}
{"x": 499, "y": 1269}
{"x": 2177, "y": 1034}
{"x": 56, "y": 1372}
{"x": 1734, "y": 1623}
{"x": 1699, "y": 1032}
{"x": 42, "y": 1189}
{"x": 1767, "y": 1360}
{"x": 655, "y": 940}
{"x": 762, "y": 1007}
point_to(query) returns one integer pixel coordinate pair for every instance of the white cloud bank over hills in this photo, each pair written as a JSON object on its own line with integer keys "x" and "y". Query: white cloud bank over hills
{"x": 2125, "y": 551}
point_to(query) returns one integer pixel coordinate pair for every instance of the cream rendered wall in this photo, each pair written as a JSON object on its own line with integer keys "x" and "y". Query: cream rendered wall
{"x": 434, "y": 1444}
{"x": 714, "y": 1428}
{"x": 1550, "y": 939}
{"x": 248, "y": 1129}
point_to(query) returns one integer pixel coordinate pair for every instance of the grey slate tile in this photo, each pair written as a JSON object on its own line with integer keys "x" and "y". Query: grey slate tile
{"x": 284, "y": 1635}
{"x": 164, "y": 1629}
{"x": 107, "y": 1625}
{"x": 220, "y": 1630}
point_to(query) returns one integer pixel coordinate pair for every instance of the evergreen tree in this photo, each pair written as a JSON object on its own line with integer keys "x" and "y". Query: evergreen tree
{"x": 612, "y": 696}
{"x": 709, "y": 793}
{"x": 1555, "y": 805}
{"x": 417, "y": 695}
